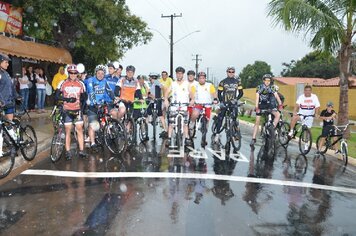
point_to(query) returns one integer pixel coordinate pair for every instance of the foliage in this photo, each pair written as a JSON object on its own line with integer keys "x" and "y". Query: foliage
{"x": 251, "y": 75}
{"x": 316, "y": 64}
{"x": 93, "y": 31}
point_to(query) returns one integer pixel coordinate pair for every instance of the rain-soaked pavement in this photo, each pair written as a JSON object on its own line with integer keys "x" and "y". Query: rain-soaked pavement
{"x": 151, "y": 190}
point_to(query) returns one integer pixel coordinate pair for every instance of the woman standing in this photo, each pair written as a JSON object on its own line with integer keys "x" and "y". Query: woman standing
{"x": 24, "y": 90}
{"x": 41, "y": 90}
{"x": 32, "y": 89}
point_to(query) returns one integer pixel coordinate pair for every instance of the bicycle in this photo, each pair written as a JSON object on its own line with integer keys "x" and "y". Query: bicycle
{"x": 178, "y": 123}
{"x": 282, "y": 130}
{"x": 230, "y": 125}
{"x": 15, "y": 136}
{"x": 129, "y": 124}
{"x": 142, "y": 123}
{"x": 201, "y": 123}
{"x": 153, "y": 103}
{"x": 305, "y": 137}
{"x": 339, "y": 133}
{"x": 268, "y": 133}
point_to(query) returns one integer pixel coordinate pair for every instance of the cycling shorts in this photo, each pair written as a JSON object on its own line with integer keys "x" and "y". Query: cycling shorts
{"x": 201, "y": 107}
{"x": 72, "y": 117}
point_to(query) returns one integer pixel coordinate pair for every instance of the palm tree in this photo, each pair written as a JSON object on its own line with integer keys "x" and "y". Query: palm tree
{"x": 330, "y": 25}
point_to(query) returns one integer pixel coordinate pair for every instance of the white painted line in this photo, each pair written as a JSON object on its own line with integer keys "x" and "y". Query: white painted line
{"x": 74, "y": 174}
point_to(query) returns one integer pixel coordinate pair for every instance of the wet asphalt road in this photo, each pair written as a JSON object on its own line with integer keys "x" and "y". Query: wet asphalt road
{"x": 195, "y": 196}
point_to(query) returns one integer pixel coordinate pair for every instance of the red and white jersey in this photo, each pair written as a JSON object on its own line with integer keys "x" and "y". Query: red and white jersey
{"x": 307, "y": 105}
{"x": 71, "y": 89}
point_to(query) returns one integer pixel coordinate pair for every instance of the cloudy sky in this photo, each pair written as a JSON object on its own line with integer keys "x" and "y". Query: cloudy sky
{"x": 231, "y": 33}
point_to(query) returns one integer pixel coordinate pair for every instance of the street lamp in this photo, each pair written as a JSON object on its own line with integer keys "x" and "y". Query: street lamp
{"x": 197, "y": 31}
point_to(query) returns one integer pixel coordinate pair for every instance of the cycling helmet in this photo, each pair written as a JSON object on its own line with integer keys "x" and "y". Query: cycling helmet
{"x": 117, "y": 65}
{"x": 267, "y": 76}
{"x": 180, "y": 69}
{"x": 191, "y": 72}
{"x": 130, "y": 68}
{"x": 202, "y": 73}
{"x": 81, "y": 68}
{"x": 72, "y": 69}
{"x": 100, "y": 67}
{"x": 110, "y": 64}
{"x": 230, "y": 68}
{"x": 153, "y": 75}
{"x": 4, "y": 57}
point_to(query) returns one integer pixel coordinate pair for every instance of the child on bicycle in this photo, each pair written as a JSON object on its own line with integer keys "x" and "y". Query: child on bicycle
{"x": 328, "y": 116}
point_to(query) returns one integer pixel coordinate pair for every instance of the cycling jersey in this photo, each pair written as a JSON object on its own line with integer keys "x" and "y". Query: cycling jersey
{"x": 139, "y": 105}
{"x": 71, "y": 89}
{"x": 307, "y": 105}
{"x": 180, "y": 92}
{"x": 203, "y": 93}
{"x": 266, "y": 94}
{"x": 166, "y": 83}
{"x": 98, "y": 91}
{"x": 112, "y": 81}
{"x": 127, "y": 88}
{"x": 229, "y": 89}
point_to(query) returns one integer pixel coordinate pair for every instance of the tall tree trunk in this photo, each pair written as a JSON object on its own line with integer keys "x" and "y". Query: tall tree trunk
{"x": 345, "y": 57}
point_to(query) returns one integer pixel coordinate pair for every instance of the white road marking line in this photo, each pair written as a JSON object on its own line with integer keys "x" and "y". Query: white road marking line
{"x": 74, "y": 174}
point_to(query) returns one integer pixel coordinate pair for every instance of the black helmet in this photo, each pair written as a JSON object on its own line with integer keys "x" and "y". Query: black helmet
{"x": 110, "y": 64}
{"x": 4, "y": 57}
{"x": 130, "y": 68}
{"x": 267, "y": 76}
{"x": 202, "y": 73}
{"x": 191, "y": 72}
{"x": 180, "y": 69}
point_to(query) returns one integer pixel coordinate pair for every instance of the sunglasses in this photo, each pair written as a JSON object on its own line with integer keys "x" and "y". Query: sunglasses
{"x": 231, "y": 72}
{"x": 73, "y": 73}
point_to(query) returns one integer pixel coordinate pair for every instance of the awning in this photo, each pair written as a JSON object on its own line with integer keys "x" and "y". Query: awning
{"x": 32, "y": 50}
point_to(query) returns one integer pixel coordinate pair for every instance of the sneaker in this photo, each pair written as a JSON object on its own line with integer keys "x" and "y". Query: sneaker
{"x": 82, "y": 154}
{"x": 68, "y": 155}
{"x": 163, "y": 134}
{"x": 290, "y": 134}
{"x": 252, "y": 143}
{"x": 337, "y": 152}
{"x": 94, "y": 146}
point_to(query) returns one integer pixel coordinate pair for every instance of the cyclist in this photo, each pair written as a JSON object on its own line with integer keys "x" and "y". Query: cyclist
{"x": 229, "y": 89}
{"x": 166, "y": 83}
{"x": 181, "y": 93}
{"x": 266, "y": 99}
{"x": 192, "y": 82}
{"x": 127, "y": 89}
{"x": 202, "y": 93}
{"x": 328, "y": 116}
{"x": 8, "y": 93}
{"x": 119, "y": 69}
{"x": 308, "y": 104}
{"x": 72, "y": 92}
{"x": 138, "y": 105}
{"x": 111, "y": 77}
{"x": 156, "y": 91}
{"x": 99, "y": 92}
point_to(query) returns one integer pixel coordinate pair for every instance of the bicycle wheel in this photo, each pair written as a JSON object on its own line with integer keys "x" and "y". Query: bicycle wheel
{"x": 204, "y": 130}
{"x": 322, "y": 149}
{"x": 283, "y": 133}
{"x": 154, "y": 123}
{"x": 179, "y": 137}
{"x": 130, "y": 131}
{"x": 191, "y": 130}
{"x": 115, "y": 137}
{"x": 7, "y": 160}
{"x": 28, "y": 142}
{"x": 305, "y": 141}
{"x": 270, "y": 141}
{"x": 214, "y": 128}
{"x": 344, "y": 153}
{"x": 143, "y": 130}
{"x": 57, "y": 146}
{"x": 235, "y": 136}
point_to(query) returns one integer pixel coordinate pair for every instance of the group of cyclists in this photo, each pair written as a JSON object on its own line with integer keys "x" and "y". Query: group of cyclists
{"x": 81, "y": 96}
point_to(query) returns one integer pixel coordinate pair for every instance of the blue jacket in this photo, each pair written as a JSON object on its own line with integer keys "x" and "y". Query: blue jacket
{"x": 7, "y": 89}
{"x": 112, "y": 81}
{"x": 98, "y": 91}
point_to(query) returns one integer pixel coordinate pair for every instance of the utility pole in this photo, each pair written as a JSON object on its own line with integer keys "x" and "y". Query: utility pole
{"x": 171, "y": 43}
{"x": 207, "y": 73}
{"x": 196, "y": 59}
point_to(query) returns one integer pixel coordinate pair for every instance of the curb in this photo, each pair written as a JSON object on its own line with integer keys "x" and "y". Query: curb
{"x": 351, "y": 160}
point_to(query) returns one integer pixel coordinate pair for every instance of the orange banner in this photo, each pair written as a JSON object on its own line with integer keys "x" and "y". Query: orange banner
{"x": 10, "y": 19}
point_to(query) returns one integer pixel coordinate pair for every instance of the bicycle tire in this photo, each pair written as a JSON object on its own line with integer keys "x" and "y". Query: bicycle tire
{"x": 323, "y": 149}
{"x": 191, "y": 132}
{"x": 130, "y": 133}
{"x": 344, "y": 153}
{"x": 57, "y": 146}
{"x": 214, "y": 128}
{"x": 115, "y": 137}
{"x": 143, "y": 131}
{"x": 204, "y": 130}
{"x": 7, "y": 161}
{"x": 29, "y": 138}
{"x": 283, "y": 131}
{"x": 270, "y": 141}
{"x": 235, "y": 136}
{"x": 154, "y": 124}
{"x": 306, "y": 138}
{"x": 179, "y": 133}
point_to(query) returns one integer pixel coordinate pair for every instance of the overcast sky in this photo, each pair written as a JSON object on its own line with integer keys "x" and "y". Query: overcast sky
{"x": 232, "y": 33}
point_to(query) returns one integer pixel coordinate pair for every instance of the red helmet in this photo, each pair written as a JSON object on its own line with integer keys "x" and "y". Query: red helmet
{"x": 72, "y": 68}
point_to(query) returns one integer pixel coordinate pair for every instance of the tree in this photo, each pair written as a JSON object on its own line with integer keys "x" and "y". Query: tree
{"x": 316, "y": 64}
{"x": 93, "y": 31}
{"x": 251, "y": 75}
{"x": 330, "y": 24}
